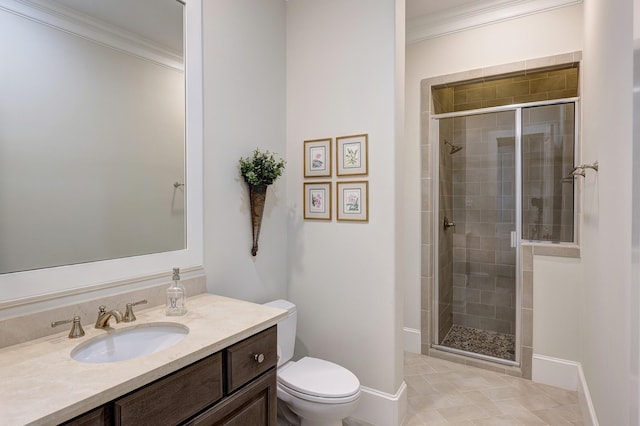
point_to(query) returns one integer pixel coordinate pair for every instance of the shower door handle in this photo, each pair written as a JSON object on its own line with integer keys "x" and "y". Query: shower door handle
{"x": 446, "y": 224}
{"x": 514, "y": 239}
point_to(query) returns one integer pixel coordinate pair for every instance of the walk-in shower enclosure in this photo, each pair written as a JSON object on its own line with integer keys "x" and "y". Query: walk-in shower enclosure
{"x": 503, "y": 176}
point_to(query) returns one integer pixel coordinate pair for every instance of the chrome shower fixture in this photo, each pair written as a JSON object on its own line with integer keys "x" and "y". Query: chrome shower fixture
{"x": 593, "y": 166}
{"x": 577, "y": 171}
{"x": 454, "y": 148}
{"x": 581, "y": 169}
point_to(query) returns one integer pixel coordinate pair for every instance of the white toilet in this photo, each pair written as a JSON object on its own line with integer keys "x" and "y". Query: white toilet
{"x": 311, "y": 391}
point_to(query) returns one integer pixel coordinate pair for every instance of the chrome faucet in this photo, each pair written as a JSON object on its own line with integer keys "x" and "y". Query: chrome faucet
{"x": 104, "y": 316}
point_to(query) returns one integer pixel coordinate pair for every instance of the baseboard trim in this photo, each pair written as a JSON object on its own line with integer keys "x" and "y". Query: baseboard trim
{"x": 381, "y": 408}
{"x": 568, "y": 375}
{"x": 557, "y": 372}
{"x": 412, "y": 340}
{"x": 586, "y": 404}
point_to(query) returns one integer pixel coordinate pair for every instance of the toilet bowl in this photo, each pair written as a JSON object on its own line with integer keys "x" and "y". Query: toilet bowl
{"x": 311, "y": 391}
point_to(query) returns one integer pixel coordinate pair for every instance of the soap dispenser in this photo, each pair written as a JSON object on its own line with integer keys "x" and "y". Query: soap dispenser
{"x": 176, "y": 296}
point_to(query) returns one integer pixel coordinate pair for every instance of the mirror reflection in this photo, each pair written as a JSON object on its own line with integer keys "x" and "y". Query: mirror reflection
{"x": 92, "y": 139}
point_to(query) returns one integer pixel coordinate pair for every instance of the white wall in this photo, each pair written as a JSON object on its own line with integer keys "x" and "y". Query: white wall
{"x": 244, "y": 83}
{"x": 606, "y": 242}
{"x": 634, "y": 395}
{"x": 86, "y": 166}
{"x": 341, "y": 81}
{"x": 544, "y": 34}
{"x": 635, "y": 259}
{"x": 556, "y": 323}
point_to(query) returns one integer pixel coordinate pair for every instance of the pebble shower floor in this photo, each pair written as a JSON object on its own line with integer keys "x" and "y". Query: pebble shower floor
{"x": 483, "y": 342}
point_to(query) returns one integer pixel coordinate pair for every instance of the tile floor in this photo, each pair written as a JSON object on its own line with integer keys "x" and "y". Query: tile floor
{"x": 445, "y": 393}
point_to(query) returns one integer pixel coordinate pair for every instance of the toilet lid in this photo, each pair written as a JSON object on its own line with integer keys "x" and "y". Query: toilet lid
{"x": 318, "y": 377}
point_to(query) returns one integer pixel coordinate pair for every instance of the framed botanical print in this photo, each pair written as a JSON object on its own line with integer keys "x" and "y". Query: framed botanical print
{"x": 317, "y": 200}
{"x": 353, "y": 201}
{"x": 317, "y": 158}
{"x": 352, "y": 155}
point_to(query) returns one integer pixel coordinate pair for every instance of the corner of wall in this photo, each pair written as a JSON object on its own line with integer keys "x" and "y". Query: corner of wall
{"x": 380, "y": 408}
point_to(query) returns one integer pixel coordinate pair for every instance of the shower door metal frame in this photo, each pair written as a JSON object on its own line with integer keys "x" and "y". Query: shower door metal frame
{"x": 435, "y": 165}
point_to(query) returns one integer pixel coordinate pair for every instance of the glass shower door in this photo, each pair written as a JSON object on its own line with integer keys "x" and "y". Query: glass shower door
{"x": 477, "y": 238}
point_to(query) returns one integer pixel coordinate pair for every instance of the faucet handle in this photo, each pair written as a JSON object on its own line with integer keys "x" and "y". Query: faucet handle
{"x": 129, "y": 316}
{"x": 76, "y": 327}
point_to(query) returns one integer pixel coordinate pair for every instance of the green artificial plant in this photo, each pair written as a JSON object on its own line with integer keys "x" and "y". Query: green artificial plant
{"x": 261, "y": 169}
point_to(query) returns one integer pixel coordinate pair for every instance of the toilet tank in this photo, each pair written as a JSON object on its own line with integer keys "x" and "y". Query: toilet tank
{"x": 286, "y": 329}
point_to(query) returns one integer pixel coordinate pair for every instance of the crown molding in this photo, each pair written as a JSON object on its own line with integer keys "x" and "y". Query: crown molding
{"x": 87, "y": 27}
{"x": 476, "y": 15}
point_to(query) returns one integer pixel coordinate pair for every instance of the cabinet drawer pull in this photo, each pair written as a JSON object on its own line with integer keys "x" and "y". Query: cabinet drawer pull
{"x": 259, "y": 358}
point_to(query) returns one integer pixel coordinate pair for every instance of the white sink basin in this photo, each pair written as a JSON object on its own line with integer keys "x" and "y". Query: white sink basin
{"x": 130, "y": 342}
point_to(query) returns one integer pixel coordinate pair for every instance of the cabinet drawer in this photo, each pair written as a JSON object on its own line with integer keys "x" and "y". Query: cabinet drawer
{"x": 174, "y": 398}
{"x": 254, "y": 405}
{"x": 101, "y": 416}
{"x": 250, "y": 358}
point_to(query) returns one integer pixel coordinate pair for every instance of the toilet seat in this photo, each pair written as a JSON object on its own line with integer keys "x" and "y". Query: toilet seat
{"x": 317, "y": 380}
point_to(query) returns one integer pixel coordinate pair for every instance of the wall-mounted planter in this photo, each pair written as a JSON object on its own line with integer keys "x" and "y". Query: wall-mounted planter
{"x": 257, "y": 197}
{"x": 259, "y": 171}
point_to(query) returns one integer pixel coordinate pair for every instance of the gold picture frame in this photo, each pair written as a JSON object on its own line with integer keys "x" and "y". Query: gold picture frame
{"x": 352, "y": 155}
{"x": 353, "y": 201}
{"x": 317, "y": 201}
{"x": 317, "y": 158}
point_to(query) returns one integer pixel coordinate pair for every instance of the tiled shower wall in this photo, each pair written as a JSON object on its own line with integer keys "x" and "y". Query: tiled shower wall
{"x": 484, "y": 264}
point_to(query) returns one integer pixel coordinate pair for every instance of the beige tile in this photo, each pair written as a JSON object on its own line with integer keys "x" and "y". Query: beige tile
{"x": 442, "y": 392}
{"x": 527, "y": 258}
{"x": 527, "y": 289}
{"x": 551, "y": 417}
{"x": 426, "y": 188}
{"x": 430, "y": 417}
{"x": 465, "y": 76}
{"x": 427, "y": 227}
{"x": 33, "y": 326}
{"x": 462, "y": 412}
{"x": 549, "y": 61}
{"x": 527, "y": 327}
{"x": 556, "y": 251}
{"x": 534, "y": 402}
{"x": 427, "y": 260}
{"x": 497, "y": 421}
{"x": 525, "y": 362}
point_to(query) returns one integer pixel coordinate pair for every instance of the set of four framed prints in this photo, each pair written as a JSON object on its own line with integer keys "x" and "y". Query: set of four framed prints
{"x": 351, "y": 159}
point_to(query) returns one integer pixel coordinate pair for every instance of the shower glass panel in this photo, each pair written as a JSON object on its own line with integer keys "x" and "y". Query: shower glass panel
{"x": 477, "y": 234}
{"x": 547, "y": 160}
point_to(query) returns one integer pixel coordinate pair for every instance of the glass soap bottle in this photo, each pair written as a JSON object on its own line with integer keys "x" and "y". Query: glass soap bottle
{"x": 176, "y": 296}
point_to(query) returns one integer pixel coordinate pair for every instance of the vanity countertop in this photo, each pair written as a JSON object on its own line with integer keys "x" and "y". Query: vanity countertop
{"x": 42, "y": 384}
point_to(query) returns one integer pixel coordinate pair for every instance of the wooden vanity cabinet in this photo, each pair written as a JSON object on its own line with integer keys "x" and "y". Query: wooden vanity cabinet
{"x": 255, "y": 404}
{"x": 173, "y": 399}
{"x": 250, "y": 401}
{"x": 101, "y": 416}
{"x": 233, "y": 387}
